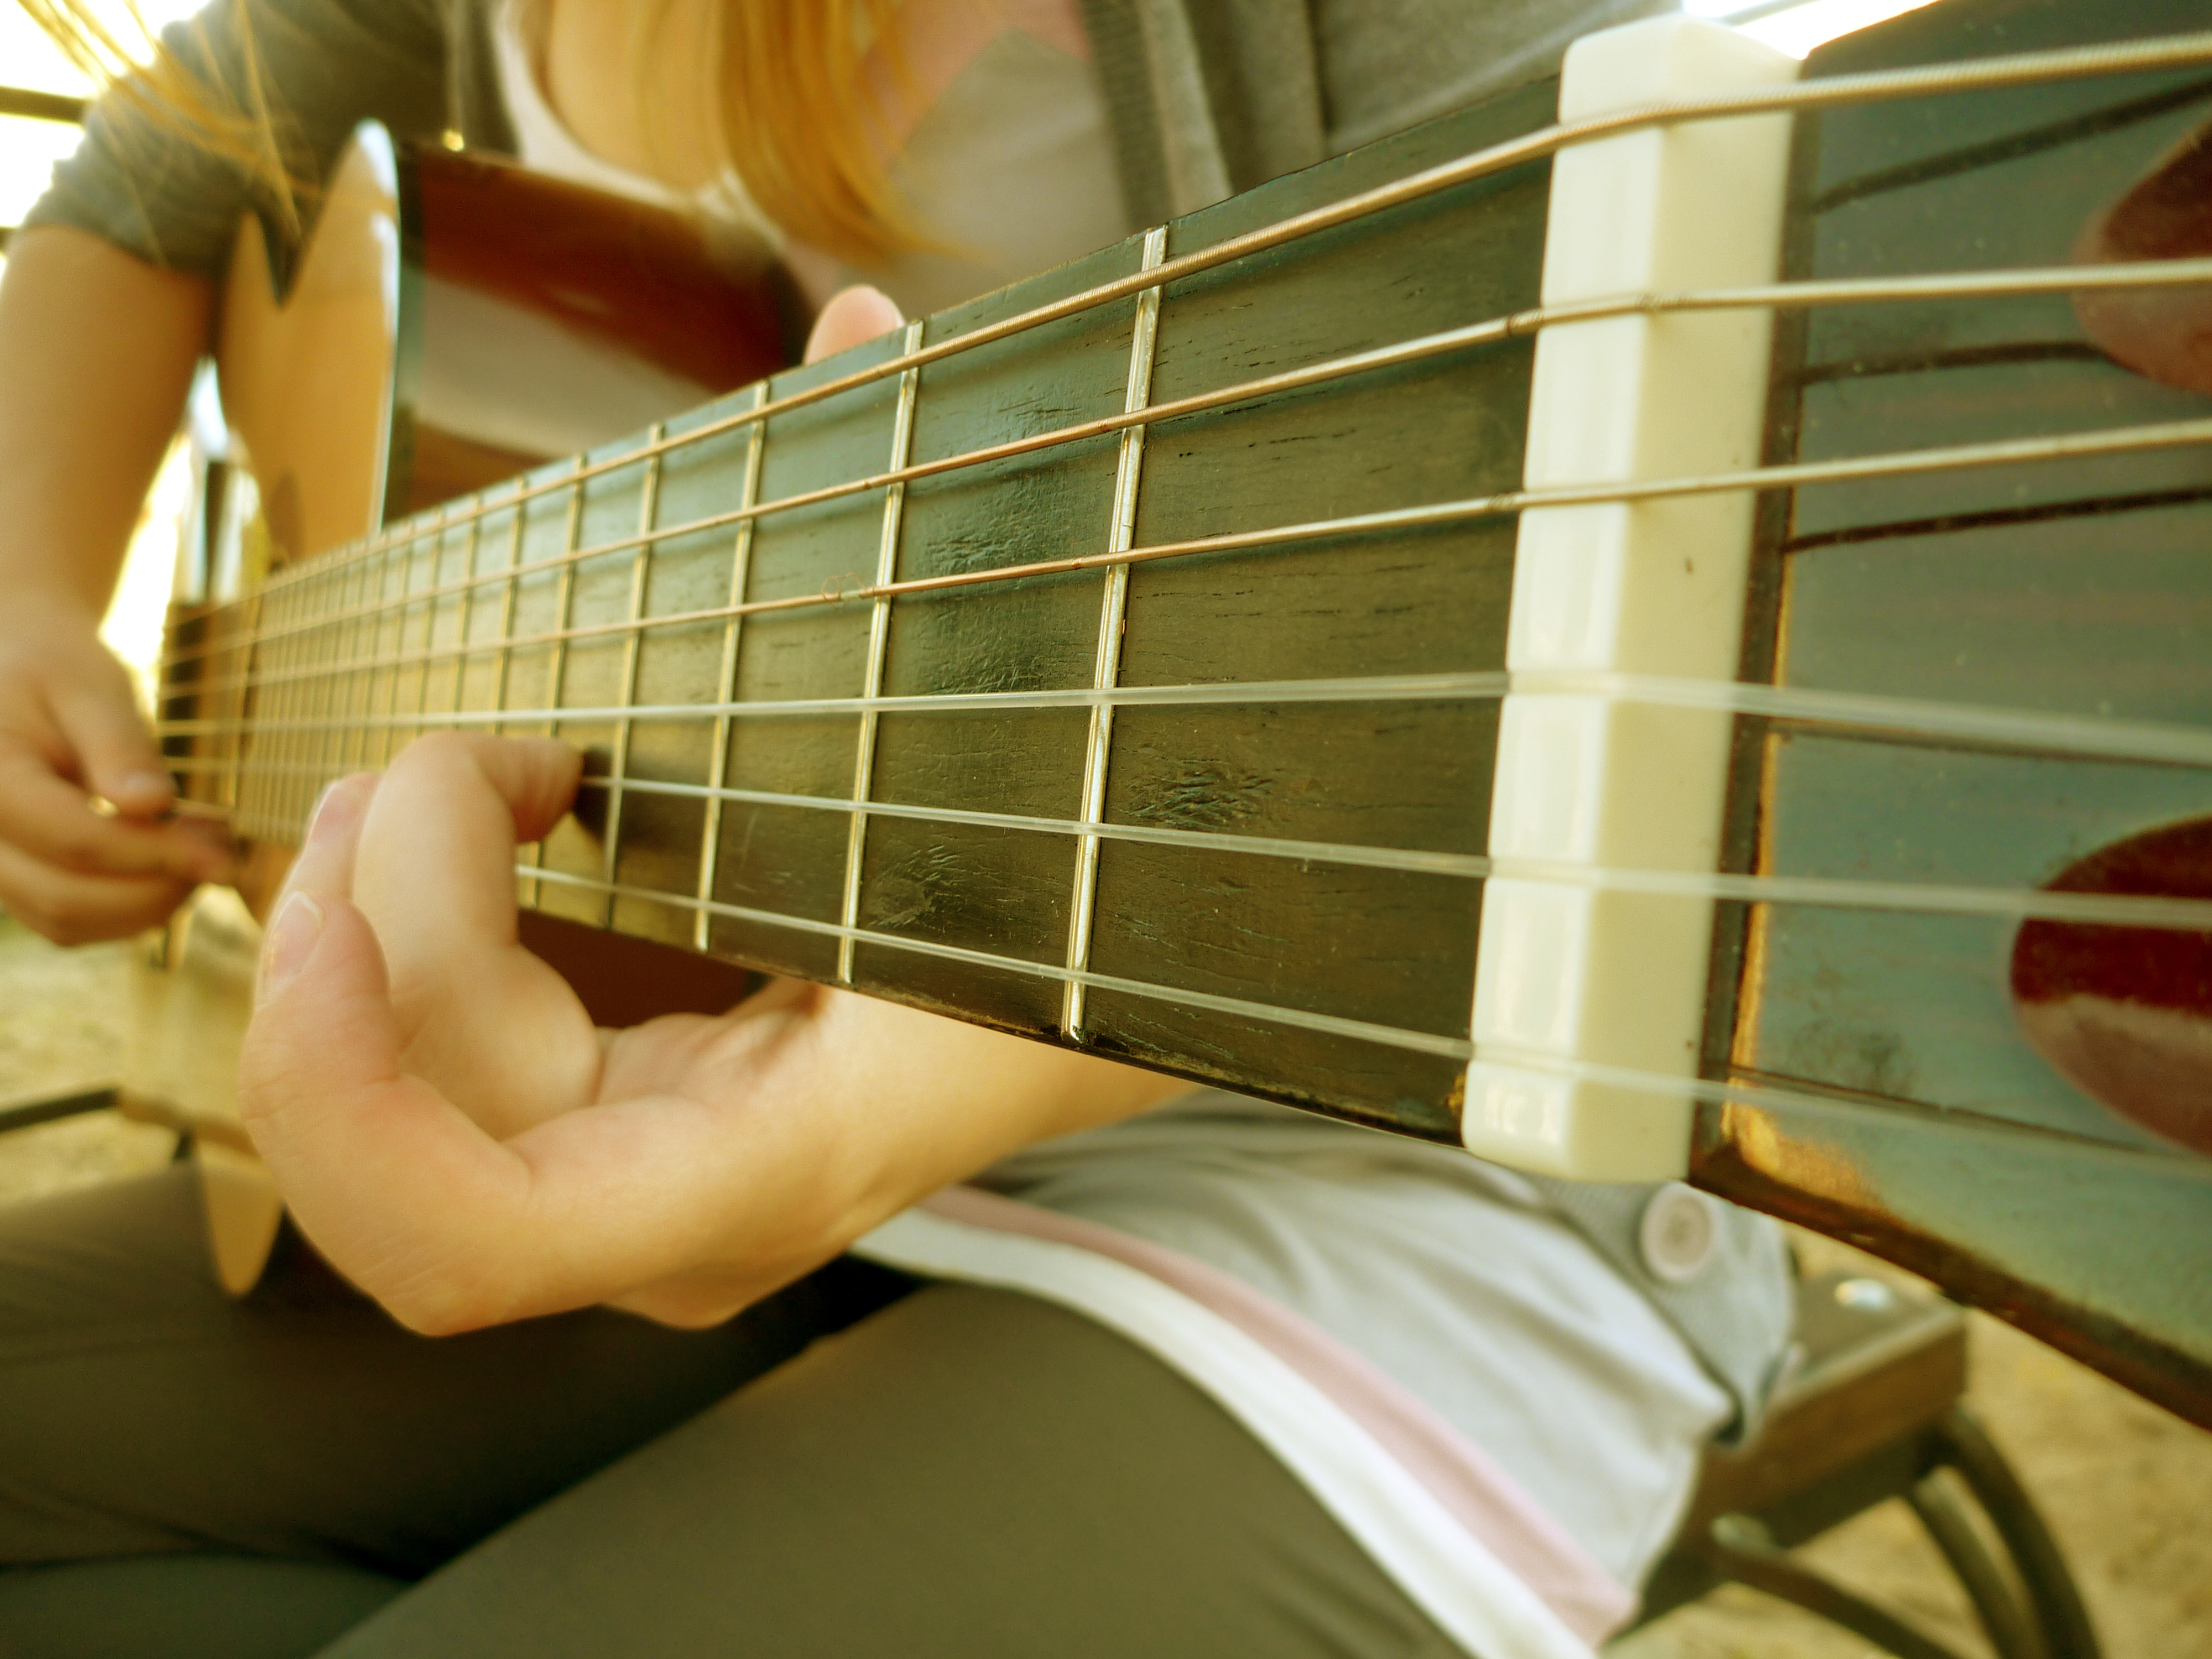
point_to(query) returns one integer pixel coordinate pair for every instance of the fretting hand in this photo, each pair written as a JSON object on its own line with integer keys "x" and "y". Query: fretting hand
{"x": 455, "y": 1137}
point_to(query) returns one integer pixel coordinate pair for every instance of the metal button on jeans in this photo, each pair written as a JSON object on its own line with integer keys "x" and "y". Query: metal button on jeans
{"x": 1679, "y": 1233}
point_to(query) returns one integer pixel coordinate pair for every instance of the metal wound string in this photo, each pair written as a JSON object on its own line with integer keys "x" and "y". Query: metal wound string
{"x": 2138, "y": 276}
{"x": 2174, "y": 51}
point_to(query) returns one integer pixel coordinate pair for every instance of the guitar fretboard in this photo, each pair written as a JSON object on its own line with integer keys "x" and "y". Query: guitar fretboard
{"x": 1124, "y": 672}
{"x": 1071, "y": 739}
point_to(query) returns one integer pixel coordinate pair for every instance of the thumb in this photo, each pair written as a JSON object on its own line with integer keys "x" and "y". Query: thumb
{"x": 853, "y": 315}
{"x": 99, "y": 719}
{"x": 323, "y": 1026}
{"x": 400, "y": 1192}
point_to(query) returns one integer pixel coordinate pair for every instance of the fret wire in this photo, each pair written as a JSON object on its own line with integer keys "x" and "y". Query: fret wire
{"x": 429, "y": 557}
{"x": 1964, "y": 456}
{"x": 1990, "y": 74}
{"x": 245, "y": 651}
{"x": 506, "y": 642}
{"x": 305, "y": 737}
{"x": 394, "y": 614}
{"x": 215, "y": 702}
{"x": 300, "y": 744}
{"x": 430, "y": 552}
{"x": 1745, "y": 1088}
{"x": 327, "y": 704}
{"x": 317, "y": 647}
{"x": 1330, "y": 1025}
{"x": 1106, "y": 666}
{"x": 360, "y": 581}
{"x": 267, "y": 737}
{"x": 359, "y": 742}
{"x": 353, "y": 690}
{"x": 466, "y": 621}
{"x": 396, "y": 574}
{"x": 710, "y": 834}
{"x": 880, "y": 630}
{"x": 1517, "y": 325}
{"x": 349, "y": 742}
{"x": 398, "y": 736}
{"x": 257, "y": 737}
{"x": 2097, "y": 738}
{"x": 564, "y": 601}
{"x": 278, "y": 801}
{"x": 253, "y": 702}
{"x": 648, "y": 504}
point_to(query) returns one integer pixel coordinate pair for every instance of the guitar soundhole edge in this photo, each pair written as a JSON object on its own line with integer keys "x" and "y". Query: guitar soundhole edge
{"x": 2125, "y": 1013}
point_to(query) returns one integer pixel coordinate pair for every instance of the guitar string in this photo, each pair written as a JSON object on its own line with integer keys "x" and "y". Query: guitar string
{"x": 1714, "y": 1091}
{"x": 1763, "y": 1095}
{"x": 2141, "y": 274}
{"x": 2173, "y": 434}
{"x": 2131, "y": 440}
{"x": 1847, "y": 1107}
{"x": 1990, "y": 74}
{"x": 1328, "y": 1024}
{"x": 1846, "y": 893}
{"x": 2058, "y": 734}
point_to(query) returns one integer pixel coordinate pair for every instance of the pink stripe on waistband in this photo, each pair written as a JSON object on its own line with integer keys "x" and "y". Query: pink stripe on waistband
{"x": 1472, "y": 1488}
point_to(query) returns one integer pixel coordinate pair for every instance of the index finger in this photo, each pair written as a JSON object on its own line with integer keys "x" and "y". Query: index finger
{"x": 59, "y": 824}
{"x": 436, "y": 874}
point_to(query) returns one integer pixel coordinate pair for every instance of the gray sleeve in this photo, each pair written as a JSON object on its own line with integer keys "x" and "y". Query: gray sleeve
{"x": 325, "y": 65}
{"x": 1385, "y": 67}
{"x": 1212, "y": 96}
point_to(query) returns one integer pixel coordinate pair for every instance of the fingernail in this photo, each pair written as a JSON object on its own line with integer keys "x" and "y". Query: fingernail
{"x": 144, "y": 785}
{"x": 335, "y": 812}
{"x": 292, "y": 937}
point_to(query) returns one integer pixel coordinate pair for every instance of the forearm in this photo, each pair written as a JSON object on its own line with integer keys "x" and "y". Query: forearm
{"x": 835, "y": 1113}
{"x": 96, "y": 354}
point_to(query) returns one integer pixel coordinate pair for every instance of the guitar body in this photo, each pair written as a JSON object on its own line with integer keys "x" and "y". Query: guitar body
{"x": 1824, "y": 838}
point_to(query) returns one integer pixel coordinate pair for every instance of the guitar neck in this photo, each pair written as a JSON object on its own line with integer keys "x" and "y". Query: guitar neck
{"x": 968, "y": 738}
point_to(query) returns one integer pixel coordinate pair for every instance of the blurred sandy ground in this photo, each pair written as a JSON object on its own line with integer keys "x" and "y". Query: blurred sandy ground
{"x": 2127, "y": 1488}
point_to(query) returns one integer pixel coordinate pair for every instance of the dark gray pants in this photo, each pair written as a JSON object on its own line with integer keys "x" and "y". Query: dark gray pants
{"x": 860, "y": 1466}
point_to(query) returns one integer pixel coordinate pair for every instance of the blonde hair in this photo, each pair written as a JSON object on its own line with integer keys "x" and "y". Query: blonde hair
{"x": 133, "y": 66}
{"x": 797, "y": 123}
{"x": 800, "y": 125}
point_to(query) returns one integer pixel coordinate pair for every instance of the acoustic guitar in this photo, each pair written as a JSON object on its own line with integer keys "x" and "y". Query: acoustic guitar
{"x": 1630, "y": 628}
